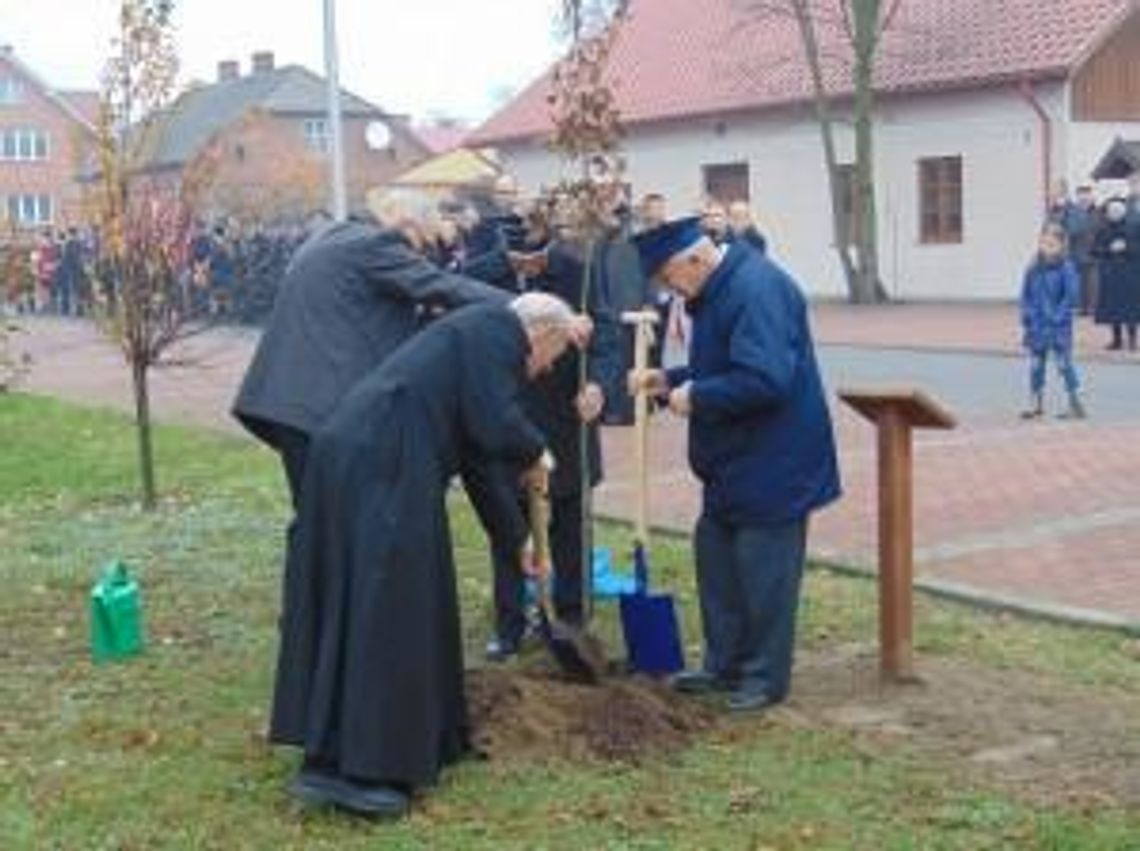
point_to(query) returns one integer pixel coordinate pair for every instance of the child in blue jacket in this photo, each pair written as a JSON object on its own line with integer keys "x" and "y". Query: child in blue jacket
{"x": 1049, "y": 298}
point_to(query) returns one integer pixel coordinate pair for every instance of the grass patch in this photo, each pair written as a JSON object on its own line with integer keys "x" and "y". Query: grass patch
{"x": 168, "y": 752}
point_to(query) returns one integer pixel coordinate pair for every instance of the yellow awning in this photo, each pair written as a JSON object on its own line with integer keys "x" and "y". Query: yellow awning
{"x": 462, "y": 167}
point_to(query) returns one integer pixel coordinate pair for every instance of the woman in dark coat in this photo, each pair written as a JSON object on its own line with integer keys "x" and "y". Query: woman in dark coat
{"x": 1117, "y": 251}
{"x": 370, "y": 673}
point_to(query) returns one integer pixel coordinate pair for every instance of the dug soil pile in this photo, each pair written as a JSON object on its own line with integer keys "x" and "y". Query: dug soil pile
{"x": 529, "y": 714}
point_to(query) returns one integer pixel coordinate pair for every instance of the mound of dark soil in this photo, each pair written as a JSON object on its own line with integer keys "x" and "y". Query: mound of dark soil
{"x": 520, "y": 714}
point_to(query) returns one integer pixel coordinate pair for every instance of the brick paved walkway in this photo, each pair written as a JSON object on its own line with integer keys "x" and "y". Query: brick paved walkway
{"x": 1048, "y": 514}
{"x": 965, "y": 327}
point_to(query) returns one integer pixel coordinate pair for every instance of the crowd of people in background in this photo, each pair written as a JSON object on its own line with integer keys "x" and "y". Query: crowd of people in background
{"x": 1087, "y": 264}
{"x": 49, "y": 272}
{"x": 1103, "y": 244}
{"x": 231, "y": 272}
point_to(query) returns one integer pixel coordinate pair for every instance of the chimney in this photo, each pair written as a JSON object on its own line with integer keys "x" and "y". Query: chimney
{"x": 228, "y": 70}
{"x": 263, "y": 62}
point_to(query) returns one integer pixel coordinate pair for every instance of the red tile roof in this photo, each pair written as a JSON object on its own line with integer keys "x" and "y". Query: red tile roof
{"x": 680, "y": 58}
{"x": 441, "y": 138}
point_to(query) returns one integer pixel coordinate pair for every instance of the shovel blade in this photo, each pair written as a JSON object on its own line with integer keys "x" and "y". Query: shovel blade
{"x": 652, "y": 637}
{"x": 579, "y": 654}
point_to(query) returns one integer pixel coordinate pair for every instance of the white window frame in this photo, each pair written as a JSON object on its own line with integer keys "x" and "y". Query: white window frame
{"x": 24, "y": 144}
{"x": 317, "y": 136}
{"x": 30, "y": 209}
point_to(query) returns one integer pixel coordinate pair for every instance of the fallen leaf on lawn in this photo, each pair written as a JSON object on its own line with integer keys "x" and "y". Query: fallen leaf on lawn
{"x": 145, "y": 739}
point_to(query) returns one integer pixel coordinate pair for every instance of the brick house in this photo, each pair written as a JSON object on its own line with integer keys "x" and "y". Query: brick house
{"x": 268, "y": 135}
{"x": 45, "y": 137}
{"x": 981, "y": 106}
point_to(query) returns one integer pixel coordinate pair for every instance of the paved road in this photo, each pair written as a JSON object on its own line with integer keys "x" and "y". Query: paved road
{"x": 1045, "y": 513}
{"x": 984, "y": 388}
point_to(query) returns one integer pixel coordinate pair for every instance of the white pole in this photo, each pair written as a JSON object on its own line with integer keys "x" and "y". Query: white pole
{"x": 338, "y": 193}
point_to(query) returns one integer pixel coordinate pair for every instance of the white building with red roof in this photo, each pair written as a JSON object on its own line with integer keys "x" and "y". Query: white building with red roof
{"x": 982, "y": 105}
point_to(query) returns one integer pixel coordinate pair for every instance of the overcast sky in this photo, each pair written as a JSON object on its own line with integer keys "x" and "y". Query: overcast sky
{"x": 454, "y": 57}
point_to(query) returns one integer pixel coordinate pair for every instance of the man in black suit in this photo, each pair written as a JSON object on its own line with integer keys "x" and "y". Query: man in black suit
{"x": 351, "y": 295}
{"x": 558, "y": 405}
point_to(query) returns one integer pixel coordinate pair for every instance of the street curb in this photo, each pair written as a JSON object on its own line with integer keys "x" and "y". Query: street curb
{"x": 969, "y": 351}
{"x": 956, "y": 592}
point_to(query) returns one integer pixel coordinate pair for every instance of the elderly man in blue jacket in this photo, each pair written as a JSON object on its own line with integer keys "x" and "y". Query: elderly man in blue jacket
{"x": 761, "y": 443}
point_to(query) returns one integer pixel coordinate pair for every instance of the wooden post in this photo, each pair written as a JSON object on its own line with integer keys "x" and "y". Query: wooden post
{"x": 896, "y": 544}
{"x": 643, "y": 321}
{"x": 896, "y": 413}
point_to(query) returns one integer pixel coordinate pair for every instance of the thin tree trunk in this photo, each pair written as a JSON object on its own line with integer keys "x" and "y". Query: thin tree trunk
{"x": 587, "y": 495}
{"x": 140, "y": 377}
{"x": 827, "y": 132}
{"x": 868, "y": 284}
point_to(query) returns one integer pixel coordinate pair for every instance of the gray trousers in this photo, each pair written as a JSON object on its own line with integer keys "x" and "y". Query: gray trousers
{"x": 748, "y": 580}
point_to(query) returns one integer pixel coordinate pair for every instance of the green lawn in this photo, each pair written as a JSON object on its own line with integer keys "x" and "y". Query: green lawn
{"x": 167, "y": 751}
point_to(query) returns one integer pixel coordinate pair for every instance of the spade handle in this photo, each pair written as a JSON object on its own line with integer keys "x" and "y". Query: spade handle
{"x": 644, "y": 322}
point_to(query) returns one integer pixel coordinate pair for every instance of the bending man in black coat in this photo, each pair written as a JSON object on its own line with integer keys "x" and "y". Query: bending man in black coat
{"x": 350, "y": 297}
{"x": 370, "y": 675}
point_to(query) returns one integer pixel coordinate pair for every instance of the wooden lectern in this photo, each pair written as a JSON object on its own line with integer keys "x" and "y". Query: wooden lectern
{"x": 896, "y": 412}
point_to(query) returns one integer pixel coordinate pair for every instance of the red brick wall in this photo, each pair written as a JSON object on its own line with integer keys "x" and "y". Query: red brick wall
{"x": 263, "y": 167}
{"x": 68, "y": 144}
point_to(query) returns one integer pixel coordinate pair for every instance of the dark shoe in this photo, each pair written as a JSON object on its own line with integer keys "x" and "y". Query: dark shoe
{"x": 1036, "y": 408}
{"x": 1076, "y": 411}
{"x": 750, "y": 700}
{"x": 699, "y": 682}
{"x": 1114, "y": 346}
{"x": 501, "y": 649}
{"x": 369, "y": 800}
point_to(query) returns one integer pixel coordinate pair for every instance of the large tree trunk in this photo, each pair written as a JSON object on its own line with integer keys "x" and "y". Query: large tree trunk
{"x": 867, "y": 286}
{"x": 827, "y": 132}
{"x": 140, "y": 379}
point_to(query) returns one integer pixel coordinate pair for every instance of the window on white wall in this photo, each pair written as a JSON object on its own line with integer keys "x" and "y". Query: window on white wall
{"x": 727, "y": 182}
{"x": 940, "y": 200}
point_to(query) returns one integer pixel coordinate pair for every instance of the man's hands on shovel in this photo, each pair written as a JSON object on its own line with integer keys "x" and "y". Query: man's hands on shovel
{"x": 655, "y": 383}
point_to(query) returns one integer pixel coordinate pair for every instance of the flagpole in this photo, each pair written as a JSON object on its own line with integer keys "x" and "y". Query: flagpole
{"x": 337, "y": 193}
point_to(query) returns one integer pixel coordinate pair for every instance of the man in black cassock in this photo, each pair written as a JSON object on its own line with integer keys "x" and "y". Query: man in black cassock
{"x": 370, "y": 673}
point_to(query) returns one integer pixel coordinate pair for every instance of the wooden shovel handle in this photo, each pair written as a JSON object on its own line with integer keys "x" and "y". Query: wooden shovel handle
{"x": 643, "y": 322}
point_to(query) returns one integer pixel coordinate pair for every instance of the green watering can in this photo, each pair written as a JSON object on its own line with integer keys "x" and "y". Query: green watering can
{"x": 116, "y": 615}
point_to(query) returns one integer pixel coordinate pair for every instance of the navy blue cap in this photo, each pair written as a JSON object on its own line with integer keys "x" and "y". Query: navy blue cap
{"x": 656, "y": 247}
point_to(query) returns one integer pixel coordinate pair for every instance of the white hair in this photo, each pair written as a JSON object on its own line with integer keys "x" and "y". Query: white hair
{"x": 541, "y": 312}
{"x": 395, "y": 208}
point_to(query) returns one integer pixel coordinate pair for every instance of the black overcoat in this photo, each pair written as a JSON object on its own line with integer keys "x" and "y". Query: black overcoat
{"x": 551, "y": 401}
{"x": 1119, "y": 295}
{"x": 348, "y": 299}
{"x": 370, "y": 673}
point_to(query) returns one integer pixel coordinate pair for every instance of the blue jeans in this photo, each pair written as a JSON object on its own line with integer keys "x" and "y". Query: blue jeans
{"x": 748, "y": 580}
{"x": 1064, "y": 362}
